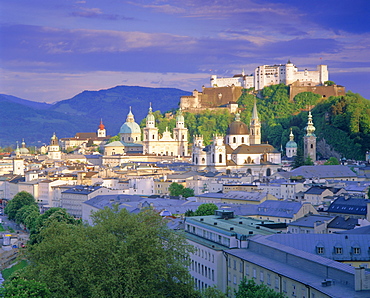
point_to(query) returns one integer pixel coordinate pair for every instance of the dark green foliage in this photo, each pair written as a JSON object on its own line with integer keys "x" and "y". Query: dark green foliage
{"x": 212, "y": 292}
{"x": 122, "y": 255}
{"x": 332, "y": 161}
{"x": 306, "y": 100}
{"x": 177, "y": 189}
{"x": 206, "y": 209}
{"x": 249, "y": 289}
{"x": 329, "y": 83}
{"x": 23, "y": 288}
{"x": 21, "y": 199}
{"x": 48, "y": 218}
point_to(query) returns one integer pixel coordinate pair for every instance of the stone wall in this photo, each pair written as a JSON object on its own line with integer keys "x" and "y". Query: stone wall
{"x": 324, "y": 91}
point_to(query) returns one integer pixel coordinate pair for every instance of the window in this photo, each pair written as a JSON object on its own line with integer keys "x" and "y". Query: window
{"x": 261, "y": 276}
{"x": 276, "y": 282}
{"x": 241, "y": 267}
{"x": 254, "y": 273}
{"x": 268, "y": 279}
{"x": 338, "y": 250}
{"x": 246, "y": 269}
{"x": 320, "y": 250}
{"x": 234, "y": 280}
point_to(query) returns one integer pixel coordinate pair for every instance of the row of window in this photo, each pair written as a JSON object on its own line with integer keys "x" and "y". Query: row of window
{"x": 338, "y": 250}
{"x": 203, "y": 270}
{"x": 204, "y": 254}
{"x": 209, "y": 235}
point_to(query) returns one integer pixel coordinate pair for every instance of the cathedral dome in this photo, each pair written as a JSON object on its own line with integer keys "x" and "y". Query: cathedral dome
{"x": 130, "y": 127}
{"x": 291, "y": 144}
{"x": 237, "y": 127}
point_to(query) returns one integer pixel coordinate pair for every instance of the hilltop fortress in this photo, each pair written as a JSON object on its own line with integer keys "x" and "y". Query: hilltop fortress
{"x": 224, "y": 92}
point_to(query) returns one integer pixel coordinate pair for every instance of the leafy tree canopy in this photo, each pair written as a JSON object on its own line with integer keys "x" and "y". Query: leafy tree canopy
{"x": 177, "y": 189}
{"x": 249, "y": 289}
{"x": 332, "y": 161}
{"x": 206, "y": 209}
{"x": 21, "y": 199}
{"x": 121, "y": 255}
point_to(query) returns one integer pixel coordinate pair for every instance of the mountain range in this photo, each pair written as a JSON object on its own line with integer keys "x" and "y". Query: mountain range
{"x": 36, "y": 122}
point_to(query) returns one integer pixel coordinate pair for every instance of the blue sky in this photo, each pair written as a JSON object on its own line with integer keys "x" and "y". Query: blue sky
{"x": 51, "y": 50}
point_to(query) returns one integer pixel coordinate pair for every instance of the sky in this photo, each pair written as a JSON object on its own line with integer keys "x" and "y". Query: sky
{"x": 51, "y": 50}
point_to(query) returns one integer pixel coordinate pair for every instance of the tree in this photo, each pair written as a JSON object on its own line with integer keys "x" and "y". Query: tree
{"x": 176, "y": 189}
{"x": 188, "y": 192}
{"x": 46, "y": 219}
{"x": 25, "y": 211}
{"x": 332, "y": 161}
{"x": 212, "y": 292}
{"x": 22, "y": 288}
{"x": 251, "y": 290}
{"x": 206, "y": 209}
{"x": 329, "y": 83}
{"x": 121, "y": 255}
{"x": 21, "y": 199}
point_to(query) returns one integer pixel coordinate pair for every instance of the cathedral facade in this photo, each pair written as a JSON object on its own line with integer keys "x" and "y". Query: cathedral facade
{"x": 239, "y": 150}
{"x": 153, "y": 143}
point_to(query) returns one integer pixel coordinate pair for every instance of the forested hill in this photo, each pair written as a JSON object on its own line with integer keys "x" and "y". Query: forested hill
{"x": 36, "y": 122}
{"x": 342, "y": 123}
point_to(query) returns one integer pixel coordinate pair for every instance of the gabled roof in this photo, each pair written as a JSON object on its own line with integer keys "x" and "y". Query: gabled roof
{"x": 343, "y": 223}
{"x": 336, "y": 171}
{"x": 349, "y": 205}
{"x": 316, "y": 190}
{"x": 310, "y": 221}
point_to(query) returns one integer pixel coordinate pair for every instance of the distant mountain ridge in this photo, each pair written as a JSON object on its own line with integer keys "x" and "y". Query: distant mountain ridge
{"x": 36, "y": 122}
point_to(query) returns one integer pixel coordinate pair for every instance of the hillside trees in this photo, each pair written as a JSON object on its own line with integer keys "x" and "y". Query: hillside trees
{"x": 122, "y": 255}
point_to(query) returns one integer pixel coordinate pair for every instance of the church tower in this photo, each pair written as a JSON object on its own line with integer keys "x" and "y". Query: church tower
{"x": 309, "y": 140}
{"x": 291, "y": 146}
{"x": 255, "y": 127}
{"x": 180, "y": 133}
{"x": 101, "y": 131}
{"x": 54, "y": 149}
{"x": 150, "y": 133}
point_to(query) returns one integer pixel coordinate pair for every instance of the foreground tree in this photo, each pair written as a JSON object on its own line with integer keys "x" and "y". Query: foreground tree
{"x": 22, "y": 288}
{"x": 122, "y": 255}
{"x": 21, "y": 199}
{"x": 249, "y": 289}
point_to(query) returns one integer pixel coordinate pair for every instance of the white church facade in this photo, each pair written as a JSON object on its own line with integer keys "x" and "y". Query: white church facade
{"x": 153, "y": 143}
{"x": 240, "y": 150}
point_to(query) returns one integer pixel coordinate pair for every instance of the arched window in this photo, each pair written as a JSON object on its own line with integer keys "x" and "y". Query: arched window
{"x": 203, "y": 161}
{"x": 311, "y": 146}
{"x": 268, "y": 172}
{"x": 220, "y": 158}
{"x": 196, "y": 160}
{"x": 243, "y": 140}
{"x": 234, "y": 139}
{"x": 193, "y": 158}
{"x": 153, "y": 137}
{"x": 252, "y": 132}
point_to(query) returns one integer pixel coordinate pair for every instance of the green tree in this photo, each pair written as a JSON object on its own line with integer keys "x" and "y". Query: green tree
{"x": 176, "y": 189}
{"x": 46, "y": 219}
{"x": 329, "y": 83}
{"x": 21, "y": 199}
{"x": 206, "y": 209}
{"x": 188, "y": 192}
{"x": 332, "y": 161}
{"x": 249, "y": 289}
{"x": 212, "y": 292}
{"x": 22, "y": 288}
{"x": 121, "y": 255}
{"x": 25, "y": 211}
{"x": 113, "y": 139}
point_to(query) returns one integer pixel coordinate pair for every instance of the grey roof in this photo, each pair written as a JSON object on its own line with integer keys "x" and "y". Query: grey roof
{"x": 278, "y": 208}
{"x": 349, "y": 205}
{"x": 82, "y": 189}
{"x": 310, "y": 242}
{"x": 343, "y": 286}
{"x": 335, "y": 171}
{"x": 316, "y": 190}
{"x": 343, "y": 223}
{"x": 310, "y": 221}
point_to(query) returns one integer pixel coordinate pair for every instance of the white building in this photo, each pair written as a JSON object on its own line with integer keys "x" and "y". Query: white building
{"x": 267, "y": 75}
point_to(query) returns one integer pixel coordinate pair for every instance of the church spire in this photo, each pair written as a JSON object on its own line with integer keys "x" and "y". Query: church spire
{"x": 255, "y": 125}
{"x": 130, "y": 116}
{"x": 310, "y": 129}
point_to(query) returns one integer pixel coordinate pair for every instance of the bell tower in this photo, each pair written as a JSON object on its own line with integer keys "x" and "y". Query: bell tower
{"x": 255, "y": 127}
{"x": 309, "y": 140}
